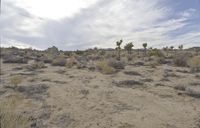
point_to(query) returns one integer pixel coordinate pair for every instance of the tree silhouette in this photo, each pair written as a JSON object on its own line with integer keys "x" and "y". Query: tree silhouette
{"x": 128, "y": 47}
{"x": 118, "y": 48}
{"x": 145, "y": 48}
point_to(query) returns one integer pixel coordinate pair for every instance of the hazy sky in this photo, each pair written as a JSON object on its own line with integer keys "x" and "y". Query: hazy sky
{"x": 80, "y": 24}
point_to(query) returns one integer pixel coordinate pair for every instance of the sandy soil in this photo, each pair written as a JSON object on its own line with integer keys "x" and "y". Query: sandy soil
{"x": 76, "y": 98}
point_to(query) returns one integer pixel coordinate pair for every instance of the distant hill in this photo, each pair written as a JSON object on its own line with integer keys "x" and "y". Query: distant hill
{"x": 194, "y": 48}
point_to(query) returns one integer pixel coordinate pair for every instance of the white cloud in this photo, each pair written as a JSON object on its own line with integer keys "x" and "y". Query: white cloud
{"x": 81, "y": 24}
{"x": 10, "y": 43}
{"x": 188, "y": 12}
{"x": 54, "y": 9}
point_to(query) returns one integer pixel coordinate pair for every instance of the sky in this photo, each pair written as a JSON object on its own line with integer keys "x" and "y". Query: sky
{"x": 82, "y": 24}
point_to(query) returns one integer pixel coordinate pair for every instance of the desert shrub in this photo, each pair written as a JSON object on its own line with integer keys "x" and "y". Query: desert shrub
{"x": 139, "y": 63}
{"x": 94, "y": 57}
{"x": 79, "y": 52}
{"x": 60, "y": 61}
{"x": 156, "y": 52}
{"x": 14, "y": 59}
{"x": 104, "y": 67}
{"x": 155, "y": 61}
{"x": 15, "y": 80}
{"x": 101, "y": 52}
{"x": 152, "y": 64}
{"x": 47, "y": 58}
{"x": 180, "y": 87}
{"x": 9, "y": 118}
{"x": 129, "y": 84}
{"x": 194, "y": 63}
{"x": 192, "y": 92}
{"x": 38, "y": 65}
{"x": 162, "y": 60}
{"x": 60, "y": 71}
{"x": 81, "y": 65}
{"x": 116, "y": 64}
{"x": 134, "y": 73}
{"x": 71, "y": 62}
{"x": 180, "y": 60}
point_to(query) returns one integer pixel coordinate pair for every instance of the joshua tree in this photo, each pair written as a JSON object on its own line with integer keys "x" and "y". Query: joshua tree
{"x": 166, "y": 49}
{"x": 145, "y": 48}
{"x": 118, "y": 48}
{"x": 128, "y": 47}
{"x": 172, "y": 47}
{"x": 180, "y": 47}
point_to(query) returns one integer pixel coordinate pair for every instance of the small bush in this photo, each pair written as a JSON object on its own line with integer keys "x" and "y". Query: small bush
{"x": 134, "y": 73}
{"x": 15, "y": 80}
{"x": 155, "y": 52}
{"x": 38, "y": 65}
{"x": 128, "y": 84}
{"x": 47, "y": 58}
{"x": 194, "y": 63}
{"x": 61, "y": 61}
{"x": 192, "y": 92}
{"x": 104, "y": 67}
{"x": 180, "y": 60}
{"x": 116, "y": 64}
{"x": 71, "y": 62}
{"x": 180, "y": 87}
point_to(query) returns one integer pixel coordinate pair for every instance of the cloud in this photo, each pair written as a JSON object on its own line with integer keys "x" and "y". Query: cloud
{"x": 100, "y": 24}
{"x": 188, "y": 13}
{"x": 8, "y": 43}
{"x": 54, "y": 9}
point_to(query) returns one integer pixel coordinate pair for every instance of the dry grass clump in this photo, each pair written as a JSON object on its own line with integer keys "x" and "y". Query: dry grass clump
{"x": 194, "y": 63}
{"x": 180, "y": 60}
{"x": 9, "y": 117}
{"x": 104, "y": 67}
{"x": 15, "y": 80}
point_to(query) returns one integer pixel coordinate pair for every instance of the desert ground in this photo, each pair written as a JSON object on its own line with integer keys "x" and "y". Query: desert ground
{"x": 89, "y": 91}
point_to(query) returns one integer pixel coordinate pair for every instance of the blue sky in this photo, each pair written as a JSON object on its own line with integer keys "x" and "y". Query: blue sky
{"x": 78, "y": 24}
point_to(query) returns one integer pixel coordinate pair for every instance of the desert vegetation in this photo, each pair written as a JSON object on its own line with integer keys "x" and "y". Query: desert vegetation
{"x": 123, "y": 87}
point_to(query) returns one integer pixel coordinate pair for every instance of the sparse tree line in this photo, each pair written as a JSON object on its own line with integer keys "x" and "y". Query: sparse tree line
{"x": 129, "y": 47}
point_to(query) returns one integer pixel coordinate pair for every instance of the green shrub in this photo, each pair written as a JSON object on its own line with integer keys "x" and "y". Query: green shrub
{"x": 156, "y": 52}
